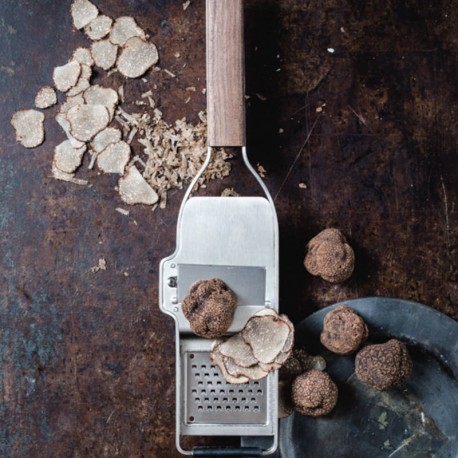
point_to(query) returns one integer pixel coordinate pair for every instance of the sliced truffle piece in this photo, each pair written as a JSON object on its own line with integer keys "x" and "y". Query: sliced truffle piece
{"x": 255, "y": 372}
{"x": 209, "y": 307}
{"x": 45, "y": 98}
{"x": 64, "y": 176}
{"x": 106, "y": 96}
{"x": 83, "y": 12}
{"x": 344, "y": 331}
{"x": 104, "y": 54}
{"x": 134, "y": 189}
{"x": 114, "y": 158}
{"x": 314, "y": 393}
{"x": 98, "y": 28}
{"x": 237, "y": 349}
{"x": 83, "y": 56}
{"x": 136, "y": 57}
{"x": 86, "y": 121}
{"x": 83, "y": 81}
{"x": 382, "y": 366}
{"x": 63, "y": 122}
{"x": 67, "y": 158}
{"x": 124, "y": 28}
{"x": 104, "y": 138}
{"x": 285, "y": 403}
{"x": 329, "y": 256}
{"x": 266, "y": 336}
{"x": 217, "y": 359}
{"x": 71, "y": 102}
{"x": 28, "y": 125}
{"x": 66, "y": 76}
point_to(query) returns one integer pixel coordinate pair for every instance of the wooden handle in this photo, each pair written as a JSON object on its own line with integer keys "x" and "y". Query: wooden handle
{"x": 225, "y": 73}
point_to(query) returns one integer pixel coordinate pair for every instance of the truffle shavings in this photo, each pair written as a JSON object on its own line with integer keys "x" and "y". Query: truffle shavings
{"x": 68, "y": 158}
{"x": 64, "y": 176}
{"x": 114, "y": 158}
{"x": 45, "y": 98}
{"x": 125, "y": 28}
{"x": 83, "y": 56}
{"x": 67, "y": 75}
{"x": 83, "y": 12}
{"x": 28, "y": 125}
{"x": 134, "y": 189}
{"x": 136, "y": 57}
{"x": 86, "y": 121}
{"x": 70, "y": 102}
{"x": 174, "y": 153}
{"x": 104, "y": 138}
{"x": 98, "y": 28}
{"x": 104, "y": 54}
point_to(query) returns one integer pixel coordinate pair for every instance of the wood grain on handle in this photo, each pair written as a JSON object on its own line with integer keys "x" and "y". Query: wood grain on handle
{"x": 225, "y": 73}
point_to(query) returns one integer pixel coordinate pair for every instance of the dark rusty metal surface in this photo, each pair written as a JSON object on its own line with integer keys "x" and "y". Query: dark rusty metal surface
{"x": 87, "y": 360}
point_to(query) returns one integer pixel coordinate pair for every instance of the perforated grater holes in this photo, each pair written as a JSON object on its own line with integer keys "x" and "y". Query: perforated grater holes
{"x": 211, "y": 400}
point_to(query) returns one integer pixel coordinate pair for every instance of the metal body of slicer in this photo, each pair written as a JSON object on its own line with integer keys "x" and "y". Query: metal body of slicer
{"x": 234, "y": 239}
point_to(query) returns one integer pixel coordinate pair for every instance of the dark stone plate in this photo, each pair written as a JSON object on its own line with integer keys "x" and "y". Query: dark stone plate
{"x": 418, "y": 419}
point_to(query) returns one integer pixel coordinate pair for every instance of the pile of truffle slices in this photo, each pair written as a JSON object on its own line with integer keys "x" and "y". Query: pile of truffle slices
{"x": 262, "y": 346}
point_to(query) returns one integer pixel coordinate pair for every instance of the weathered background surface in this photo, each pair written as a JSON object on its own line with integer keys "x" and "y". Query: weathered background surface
{"x": 87, "y": 360}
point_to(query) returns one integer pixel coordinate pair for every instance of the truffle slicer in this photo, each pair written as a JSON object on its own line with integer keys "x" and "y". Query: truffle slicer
{"x": 231, "y": 238}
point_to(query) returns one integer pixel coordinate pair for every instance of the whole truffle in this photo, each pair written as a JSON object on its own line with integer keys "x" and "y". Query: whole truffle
{"x": 344, "y": 331}
{"x": 382, "y": 366}
{"x": 314, "y": 393}
{"x": 329, "y": 256}
{"x": 299, "y": 362}
{"x": 209, "y": 308}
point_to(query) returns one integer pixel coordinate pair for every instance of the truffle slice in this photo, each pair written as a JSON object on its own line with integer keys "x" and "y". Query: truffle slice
{"x": 329, "y": 256}
{"x": 104, "y": 54}
{"x": 87, "y": 120}
{"x": 45, "y": 98}
{"x": 83, "y": 81}
{"x": 63, "y": 122}
{"x": 266, "y": 336}
{"x": 314, "y": 393}
{"x": 66, "y": 76}
{"x": 344, "y": 331}
{"x": 124, "y": 28}
{"x": 382, "y": 366}
{"x": 71, "y": 102}
{"x": 106, "y": 96}
{"x": 114, "y": 158}
{"x": 134, "y": 189}
{"x": 83, "y": 12}
{"x": 209, "y": 307}
{"x": 68, "y": 158}
{"x": 28, "y": 125}
{"x": 99, "y": 27}
{"x": 83, "y": 56}
{"x": 218, "y": 360}
{"x": 237, "y": 349}
{"x": 104, "y": 138}
{"x": 136, "y": 57}
{"x": 255, "y": 372}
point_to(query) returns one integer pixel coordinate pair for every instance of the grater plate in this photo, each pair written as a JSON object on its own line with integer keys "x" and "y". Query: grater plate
{"x": 209, "y": 399}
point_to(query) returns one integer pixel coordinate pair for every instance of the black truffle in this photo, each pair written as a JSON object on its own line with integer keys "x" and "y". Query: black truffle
{"x": 209, "y": 307}
{"x": 383, "y": 366}
{"x": 344, "y": 331}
